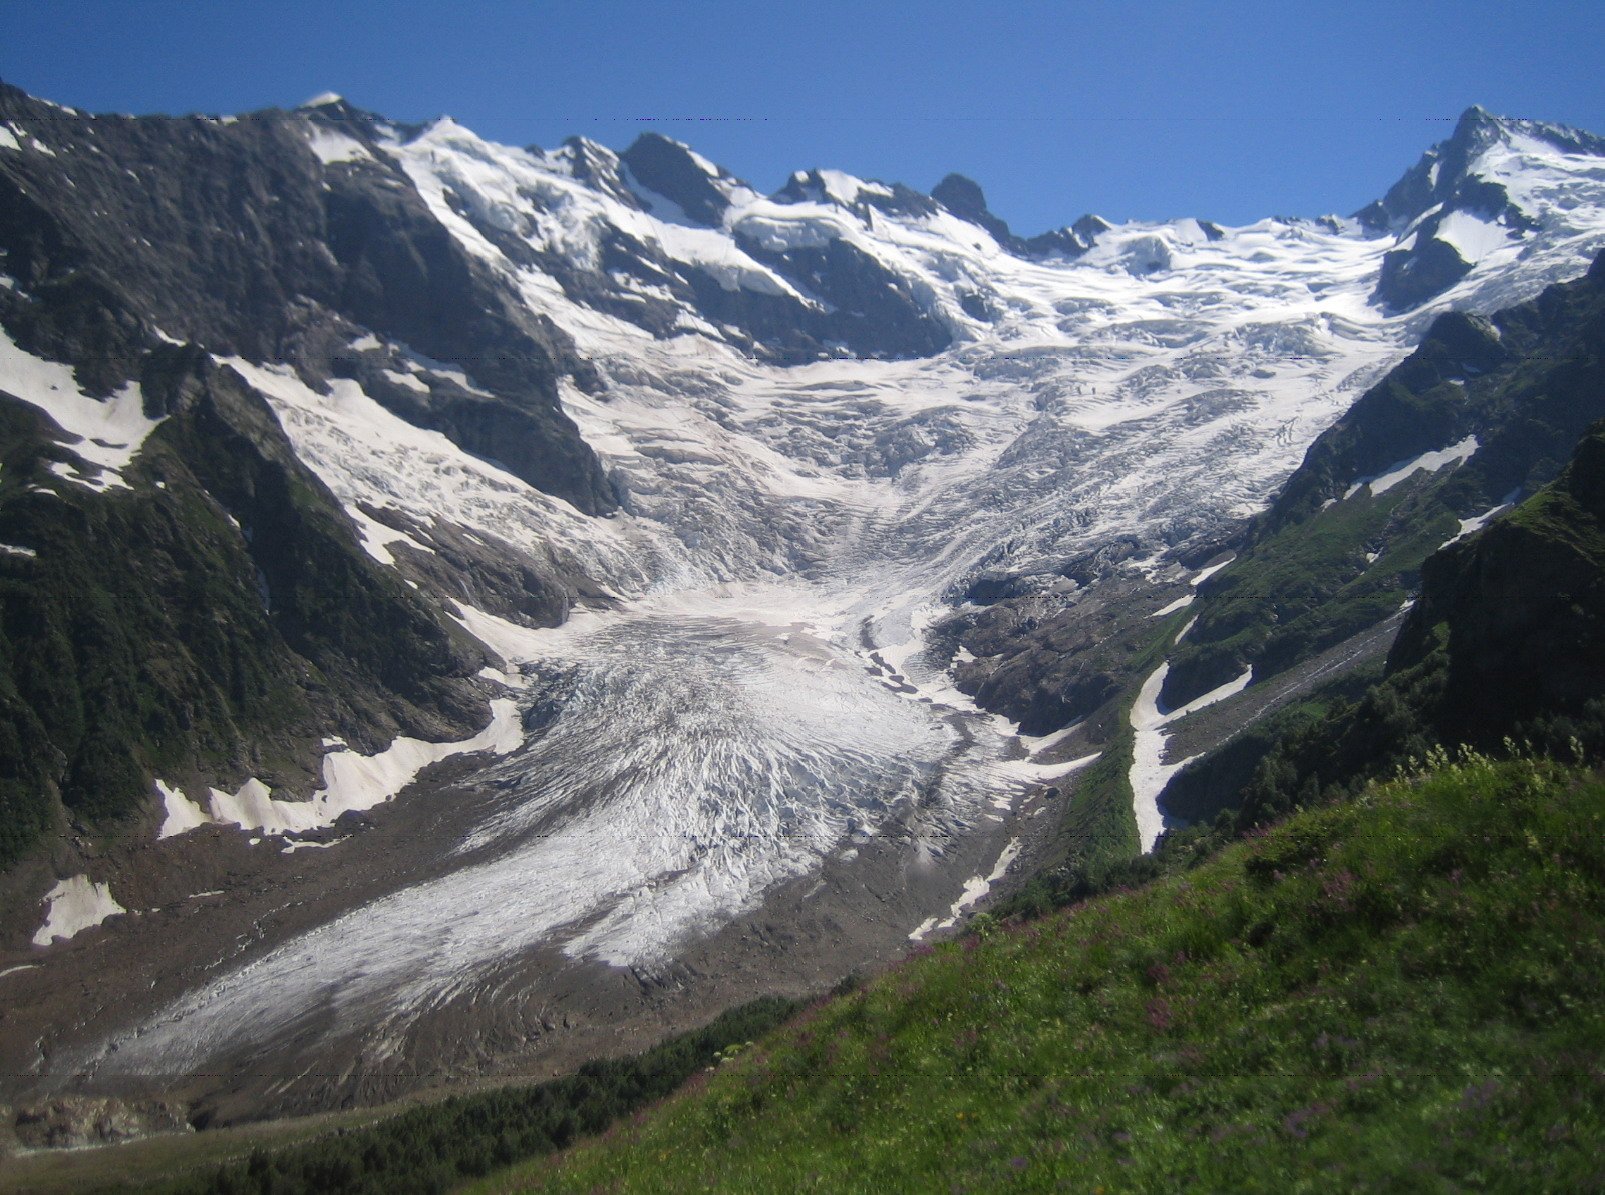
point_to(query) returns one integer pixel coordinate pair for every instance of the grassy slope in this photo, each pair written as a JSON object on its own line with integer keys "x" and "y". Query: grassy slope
{"x": 1309, "y": 586}
{"x": 1403, "y": 993}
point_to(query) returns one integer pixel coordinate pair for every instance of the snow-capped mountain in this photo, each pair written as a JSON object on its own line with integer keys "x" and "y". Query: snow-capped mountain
{"x": 672, "y": 505}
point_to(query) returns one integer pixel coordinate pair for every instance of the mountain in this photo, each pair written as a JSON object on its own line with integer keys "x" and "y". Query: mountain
{"x": 1474, "y": 195}
{"x": 1516, "y": 610}
{"x": 1483, "y": 413}
{"x": 466, "y": 605}
{"x": 1390, "y": 954}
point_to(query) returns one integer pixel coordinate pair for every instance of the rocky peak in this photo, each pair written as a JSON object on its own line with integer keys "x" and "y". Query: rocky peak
{"x": 598, "y": 166}
{"x": 1454, "y": 207}
{"x": 673, "y": 171}
{"x": 964, "y": 198}
{"x": 1448, "y": 174}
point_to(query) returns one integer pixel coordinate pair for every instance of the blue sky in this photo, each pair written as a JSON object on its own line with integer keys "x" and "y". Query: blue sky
{"x": 1228, "y": 111}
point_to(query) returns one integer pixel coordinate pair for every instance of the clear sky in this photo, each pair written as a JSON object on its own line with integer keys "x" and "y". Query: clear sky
{"x": 1227, "y": 111}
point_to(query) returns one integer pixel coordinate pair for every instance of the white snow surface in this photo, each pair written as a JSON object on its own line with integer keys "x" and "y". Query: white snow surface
{"x": 352, "y": 782}
{"x": 1473, "y": 237}
{"x": 1431, "y": 462}
{"x": 762, "y": 695}
{"x": 1205, "y": 574}
{"x": 76, "y": 904}
{"x": 1180, "y": 603}
{"x": 182, "y": 814}
{"x": 105, "y": 433}
{"x": 1149, "y": 771}
{"x": 975, "y": 889}
{"x": 1477, "y": 522}
{"x": 332, "y": 146}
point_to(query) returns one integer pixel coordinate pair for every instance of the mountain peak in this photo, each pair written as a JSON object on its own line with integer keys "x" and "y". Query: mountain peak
{"x": 672, "y": 170}
{"x": 1449, "y": 175}
{"x": 961, "y": 195}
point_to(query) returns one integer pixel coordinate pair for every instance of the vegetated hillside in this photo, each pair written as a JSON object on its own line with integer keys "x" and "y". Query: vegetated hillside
{"x": 1504, "y": 650}
{"x": 204, "y": 619}
{"x": 1506, "y": 643}
{"x": 1401, "y": 992}
{"x": 1488, "y": 410}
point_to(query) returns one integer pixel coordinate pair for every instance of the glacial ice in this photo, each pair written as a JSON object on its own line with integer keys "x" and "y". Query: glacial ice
{"x": 766, "y": 692}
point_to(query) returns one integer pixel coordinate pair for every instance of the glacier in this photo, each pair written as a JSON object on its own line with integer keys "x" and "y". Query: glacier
{"x": 765, "y": 689}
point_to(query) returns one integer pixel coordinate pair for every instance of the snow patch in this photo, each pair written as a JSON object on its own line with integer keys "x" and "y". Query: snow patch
{"x": 1384, "y": 481}
{"x": 1471, "y": 236}
{"x": 352, "y": 782}
{"x": 975, "y": 888}
{"x": 1180, "y": 603}
{"x": 1206, "y": 573}
{"x": 76, "y": 904}
{"x": 183, "y": 814}
{"x": 109, "y": 433}
{"x": 333, "y": 146}
{"x": 377, "y": 536}
{"x": 1477, "y": 522}
{"x": 1149, "y": 771}
{"x": 514, "y": 643}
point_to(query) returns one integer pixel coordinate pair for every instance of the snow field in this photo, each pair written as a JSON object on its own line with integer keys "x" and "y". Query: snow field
{"x": 75, "y": 904}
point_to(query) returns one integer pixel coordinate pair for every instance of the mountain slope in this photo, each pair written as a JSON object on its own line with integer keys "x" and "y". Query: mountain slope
{"x": 1403, "y": 986}
{"x": 200, "y": 615}
{"x": 1516, "y": 610}
{"x": 1469, "y": 198}
{"x": 1481, "y": 414}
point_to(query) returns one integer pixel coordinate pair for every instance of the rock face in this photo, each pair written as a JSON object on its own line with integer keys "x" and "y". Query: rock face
{"x": 220, "y": 614}
{"x": 78, "y": 1122}
{"x": 964, "y": 198}
{"x": 237, "y": 237}
{"x": 669, "y": 169}
{"x": 1520, "y": 608}
{"x": 140, "y": 252}
{"x": 1506, "y": 643}
{"x": 1456, "y": 205}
